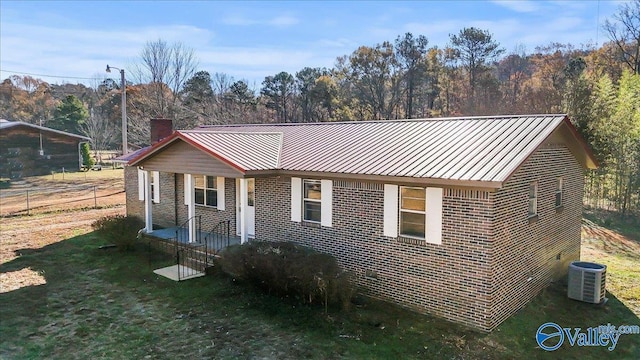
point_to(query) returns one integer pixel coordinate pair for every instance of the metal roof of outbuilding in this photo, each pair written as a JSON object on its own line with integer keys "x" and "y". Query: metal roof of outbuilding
{"x": 5, "y": 124}
{"x": 465, "y": 149}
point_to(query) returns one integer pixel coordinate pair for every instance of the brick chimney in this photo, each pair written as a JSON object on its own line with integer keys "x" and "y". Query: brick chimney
{"x": 160, "y": 129}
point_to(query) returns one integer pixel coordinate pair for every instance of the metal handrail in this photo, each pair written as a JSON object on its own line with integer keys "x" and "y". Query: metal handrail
{"x": 219, "y": 235}
{"x": 181, "y": 246}
{"x": 186, "y": 225}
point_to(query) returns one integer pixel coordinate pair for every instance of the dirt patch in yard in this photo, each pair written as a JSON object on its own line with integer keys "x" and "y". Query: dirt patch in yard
{"x": 23, "y": 234}
{"x": 621, "y": 254}
{"x": 52, "y": 193}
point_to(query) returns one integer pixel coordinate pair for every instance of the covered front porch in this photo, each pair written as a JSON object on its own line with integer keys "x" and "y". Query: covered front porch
{"x": 214, "y": 242}
{"x": 200, "y": 204}
{"x": 216, "y": 169}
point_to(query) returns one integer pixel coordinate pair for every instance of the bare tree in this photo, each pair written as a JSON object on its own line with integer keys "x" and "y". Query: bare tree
{"x": 166, "y": 68}
{"x": 625, "y": 33}
{"x": 99, "y": 129}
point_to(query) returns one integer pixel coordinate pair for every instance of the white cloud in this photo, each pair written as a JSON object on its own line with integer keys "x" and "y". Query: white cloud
{"x": 253, "y": 57}
{"x": 284, "y": 20}
{"x": 521, "y": 6}
{"x": 82, "y": 53}
{"x": 337, "y": 43}
{"x": 238, "y": 20}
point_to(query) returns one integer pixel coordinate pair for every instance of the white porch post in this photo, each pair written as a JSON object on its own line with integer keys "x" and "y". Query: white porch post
{"x": 243, "y": 211}
{"x": 148, "y": 202}
{"x": 191, "y": 209}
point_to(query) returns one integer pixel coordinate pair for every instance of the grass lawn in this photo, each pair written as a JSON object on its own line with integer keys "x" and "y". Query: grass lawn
{"x": 70, "y": 300}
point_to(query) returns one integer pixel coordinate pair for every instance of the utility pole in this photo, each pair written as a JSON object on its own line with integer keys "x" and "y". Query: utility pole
{"x": 123, "y": 86}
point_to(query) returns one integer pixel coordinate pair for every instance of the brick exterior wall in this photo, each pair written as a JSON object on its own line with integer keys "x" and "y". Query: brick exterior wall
{"x": 493, "y": 258}
{"x": 135, "y": 207}
{"x": 451, "y": 280}
{"x": 525, "y": 250}
{"x": 478, "y": 275}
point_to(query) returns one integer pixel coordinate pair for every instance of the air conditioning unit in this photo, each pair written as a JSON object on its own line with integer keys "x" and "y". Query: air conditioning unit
{"x": 587, "y": 282}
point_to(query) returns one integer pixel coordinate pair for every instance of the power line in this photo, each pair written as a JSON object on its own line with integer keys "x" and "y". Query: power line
{"x": 52, "y": 76}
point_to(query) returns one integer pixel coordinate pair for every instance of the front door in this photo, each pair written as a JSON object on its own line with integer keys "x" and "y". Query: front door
{"x": 250, "y": 206}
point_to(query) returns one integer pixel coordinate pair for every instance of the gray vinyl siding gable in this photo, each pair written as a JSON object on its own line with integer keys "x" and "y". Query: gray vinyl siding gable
{"x": 183, "y": 158}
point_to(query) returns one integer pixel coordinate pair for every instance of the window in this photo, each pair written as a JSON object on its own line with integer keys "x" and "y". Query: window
{"x": 533, "y": 199}
{"x": 312, "y": 200}
{"x": 206, "y": 192}
{"x": 412, "y": 212}
{"x": 559, "y": 188}
{"x": 155, "y": 185}
{"x": 251, "y": 192}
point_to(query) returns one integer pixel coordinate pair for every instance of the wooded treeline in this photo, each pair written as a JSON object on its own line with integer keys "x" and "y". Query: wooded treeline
{"x": 599, "y": 87}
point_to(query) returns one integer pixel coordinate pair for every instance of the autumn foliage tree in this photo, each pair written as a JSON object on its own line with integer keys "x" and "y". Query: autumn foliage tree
{"x": 406, "y": 78}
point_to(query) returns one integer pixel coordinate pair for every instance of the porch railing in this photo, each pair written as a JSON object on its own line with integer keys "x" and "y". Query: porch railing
{"x": 193, "y": 258}
{"x": 219, "y": 237}
{"x": 182, "y": 233}
{"x": 191, "y": 255}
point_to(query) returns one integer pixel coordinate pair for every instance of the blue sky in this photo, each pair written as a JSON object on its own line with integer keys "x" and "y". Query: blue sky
{"x": 251, "y": 40}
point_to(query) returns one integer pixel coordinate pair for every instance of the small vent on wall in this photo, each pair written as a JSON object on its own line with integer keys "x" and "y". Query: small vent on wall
{"x": 467, "y": 194}
{"x": 371, "y": 274}
{"x": 357, "y": 185}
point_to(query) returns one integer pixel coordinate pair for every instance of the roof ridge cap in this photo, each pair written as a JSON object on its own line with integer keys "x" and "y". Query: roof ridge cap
{"x": 326, "y": 123}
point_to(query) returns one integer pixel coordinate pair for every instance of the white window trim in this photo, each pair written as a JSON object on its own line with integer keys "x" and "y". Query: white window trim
{"x": 401, "y": 210}
{"x": 141, "y": 176}
{"x": 305, "y": 200}
{"x": 532, "y": 200}
{"x": 433, "y": 217}
{"x": 205, "y": 188}
{"x": 220, "y": 189}
{"x": 390, "y": 210}
{"x": 326, "y": 201}
{"x": 296, "y": 199}
{"x": 155, "y": 185}
{"x": 559, "y": 191}
{"x": 433, "y": 230}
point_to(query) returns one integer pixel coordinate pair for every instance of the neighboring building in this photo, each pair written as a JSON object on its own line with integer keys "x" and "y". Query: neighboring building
{"x": 28, "y": 149}
{"x": 463, "y": 218}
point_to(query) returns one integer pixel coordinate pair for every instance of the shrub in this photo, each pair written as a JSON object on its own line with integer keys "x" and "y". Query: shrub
{"x": 288, "y": 269}
{"x": 119, "y": 229}
{"x": 87, "y": 160}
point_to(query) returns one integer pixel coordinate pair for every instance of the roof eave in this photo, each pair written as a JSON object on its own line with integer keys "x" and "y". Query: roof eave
{"x": 11, "y": 124}
{"x": 591, "y": 163}
{"x": 389, "y": 179}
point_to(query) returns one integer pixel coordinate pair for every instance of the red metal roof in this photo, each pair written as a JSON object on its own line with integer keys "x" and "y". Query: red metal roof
{"x": 476, "y": 149}
{"x": 246, "y": 150}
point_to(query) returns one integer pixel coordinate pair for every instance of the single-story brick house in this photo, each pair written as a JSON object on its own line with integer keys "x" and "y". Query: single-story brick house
{"x": 29, "y": 149}
{"x": 463, "y": 218}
